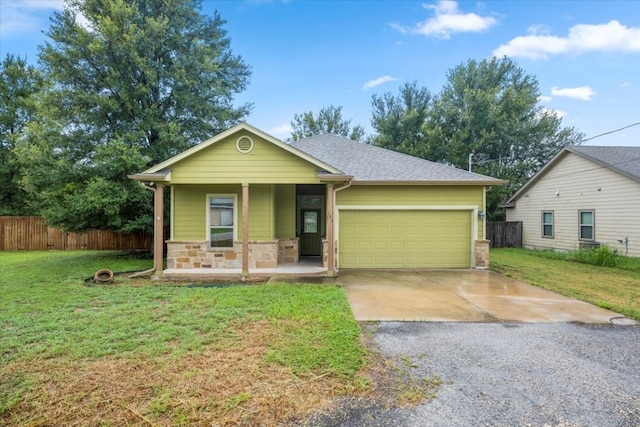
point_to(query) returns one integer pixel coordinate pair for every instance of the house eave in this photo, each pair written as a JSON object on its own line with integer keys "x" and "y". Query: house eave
{"x": 152, "y": 177}
{"x": 431, "y": 182}
{"x": 323, "y": 177}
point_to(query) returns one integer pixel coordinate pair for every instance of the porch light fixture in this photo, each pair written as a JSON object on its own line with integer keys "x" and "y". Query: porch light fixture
{"x": 480, "y": 214}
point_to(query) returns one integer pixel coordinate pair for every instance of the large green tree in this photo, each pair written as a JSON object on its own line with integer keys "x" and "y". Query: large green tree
{"x": 19, "y": 86}
{"x": 134, "y": 82}
{"x": 490, "y": 109}
{"x": 399, "y": 120}
{"x": 328, "y": 120}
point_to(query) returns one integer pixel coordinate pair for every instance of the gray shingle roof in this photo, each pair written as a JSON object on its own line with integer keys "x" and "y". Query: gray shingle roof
{"x": 625, "y": 160}
{"x": 374, "y": 164}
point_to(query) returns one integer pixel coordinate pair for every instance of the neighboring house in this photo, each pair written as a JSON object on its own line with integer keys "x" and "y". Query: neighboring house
{"x": 245, "y": 201}
{"x": 585, "y": 196}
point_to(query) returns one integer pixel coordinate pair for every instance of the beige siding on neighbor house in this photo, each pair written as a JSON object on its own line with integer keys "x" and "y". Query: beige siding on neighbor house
{"x": 222, "y": 163}
{"x": 581, "y": 185}
{"x": 190, "y": 211}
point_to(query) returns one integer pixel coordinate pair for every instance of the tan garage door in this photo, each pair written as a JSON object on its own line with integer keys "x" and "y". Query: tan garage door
{"x": 404, "y": 239}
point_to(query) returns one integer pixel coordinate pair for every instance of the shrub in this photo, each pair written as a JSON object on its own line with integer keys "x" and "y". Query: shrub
{"x": 603, "y": 256}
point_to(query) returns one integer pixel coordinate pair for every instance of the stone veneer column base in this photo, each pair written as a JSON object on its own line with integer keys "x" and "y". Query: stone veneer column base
{"x": 482, "y": 254}
{"x": 197, "y": 254}
{"x": 288, "y": 251}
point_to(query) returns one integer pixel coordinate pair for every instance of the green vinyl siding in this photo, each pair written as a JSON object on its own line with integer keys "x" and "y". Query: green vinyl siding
{"x": 444, "y": 195}
{"x": 285, "y": 211}
{"x": 261, "y": 213}
{"x": 414, "y": 195}
{"x": 404, "y": 239}
{"x": 190, "y": 211}
{"x": 222, "y": 163}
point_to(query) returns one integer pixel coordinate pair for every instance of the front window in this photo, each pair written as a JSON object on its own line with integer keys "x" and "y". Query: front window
{"x": 587, "y": 225}
{"x": 547, "y": 224}
{"x": 222, "y": 213}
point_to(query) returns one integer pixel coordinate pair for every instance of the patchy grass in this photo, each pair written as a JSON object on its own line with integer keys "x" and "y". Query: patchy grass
{"x": 157, "y": 354}
{"x": 616, "y": 289}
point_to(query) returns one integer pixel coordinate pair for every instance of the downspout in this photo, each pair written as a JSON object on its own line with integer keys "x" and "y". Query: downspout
{"x": 332, "y": 248}
{"x": 155, "y": 255}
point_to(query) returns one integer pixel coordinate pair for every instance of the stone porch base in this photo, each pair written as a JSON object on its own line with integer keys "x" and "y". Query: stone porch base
{"x": 262, "y": 254}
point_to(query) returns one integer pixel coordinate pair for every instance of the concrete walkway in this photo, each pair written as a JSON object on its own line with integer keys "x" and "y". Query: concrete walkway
{"x": 461, "y": 296}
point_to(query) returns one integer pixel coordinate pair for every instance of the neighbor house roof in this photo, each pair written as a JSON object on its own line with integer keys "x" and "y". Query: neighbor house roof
{"x": 371, "y": 164}
{"x": 623, "y": 160}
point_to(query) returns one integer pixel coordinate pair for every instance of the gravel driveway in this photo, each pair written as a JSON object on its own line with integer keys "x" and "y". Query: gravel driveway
{"x": 509, "y": 374}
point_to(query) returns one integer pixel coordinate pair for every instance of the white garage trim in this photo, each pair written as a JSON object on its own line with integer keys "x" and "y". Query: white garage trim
{"x": 473, "y": 211}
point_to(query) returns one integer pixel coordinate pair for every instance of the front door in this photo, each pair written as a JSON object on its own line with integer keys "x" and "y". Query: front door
{"x": 310, "y": 237}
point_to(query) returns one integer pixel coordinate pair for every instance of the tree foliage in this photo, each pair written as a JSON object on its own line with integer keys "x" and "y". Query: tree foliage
{"x": 399, "y": 120}
{"x": 133, "y": 83}
{"x": 19, "y": 86}
{"x": 487, "y": 108}
{"x": 329, "y": 120}
{"x": 490, "y": 109}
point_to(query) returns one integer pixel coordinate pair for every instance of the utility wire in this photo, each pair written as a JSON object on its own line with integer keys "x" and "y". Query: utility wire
{"x": 610, "y": 132}
{"x": 484, "y": 162}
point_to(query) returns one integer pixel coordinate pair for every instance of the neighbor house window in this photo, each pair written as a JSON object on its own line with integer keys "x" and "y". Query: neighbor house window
{"x": 587, "y": 220}
{"x": 222, "y": 214}
{"x": 547, "y": 224}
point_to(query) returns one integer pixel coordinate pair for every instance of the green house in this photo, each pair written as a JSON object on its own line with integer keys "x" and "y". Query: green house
{"x": 245, "y": 202}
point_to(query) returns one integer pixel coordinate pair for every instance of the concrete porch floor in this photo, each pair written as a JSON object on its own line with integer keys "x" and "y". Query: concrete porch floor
{"x": 308, "y": 266}
{"x": 461, "y": 296}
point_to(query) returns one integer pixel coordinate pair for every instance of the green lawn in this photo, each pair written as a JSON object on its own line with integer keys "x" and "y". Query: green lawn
{"x": 54, "y": 323}
{"x": 617, "y": 289}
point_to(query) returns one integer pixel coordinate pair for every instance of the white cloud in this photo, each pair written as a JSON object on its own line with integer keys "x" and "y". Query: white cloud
{"x": 625, "y": 84}
{"x": 18, "y": 17}
{"x": 377, "y": 82}
{"x": 544, "y": 98}
{"x": 281, "y": 131}
{"x": 584, "y": 93}
{"x": 609, "y": 37}
{"x": 447, "y": 21}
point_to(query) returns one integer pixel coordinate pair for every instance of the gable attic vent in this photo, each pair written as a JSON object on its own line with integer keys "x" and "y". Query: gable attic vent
{"x": 244, "y": 144}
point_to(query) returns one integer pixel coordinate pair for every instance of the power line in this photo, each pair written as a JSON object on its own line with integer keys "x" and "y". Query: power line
{"x": 610, "y": 132}
{"x": 484, "y": 162}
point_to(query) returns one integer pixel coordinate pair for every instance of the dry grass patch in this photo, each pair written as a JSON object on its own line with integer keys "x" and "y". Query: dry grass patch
{"x": 230, "y": 387}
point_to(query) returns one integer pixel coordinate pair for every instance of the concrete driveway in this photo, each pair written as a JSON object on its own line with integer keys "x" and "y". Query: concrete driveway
{"x": 461, "y": 296}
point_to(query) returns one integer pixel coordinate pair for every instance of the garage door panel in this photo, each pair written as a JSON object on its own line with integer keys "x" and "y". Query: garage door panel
{"x": 405, "y": 239}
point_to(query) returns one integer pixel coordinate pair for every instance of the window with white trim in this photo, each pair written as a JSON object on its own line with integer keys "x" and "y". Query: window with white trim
{"x": 587, "y": 224}
{"x": 547, "y": 224}
{"x": 222, "y": 215}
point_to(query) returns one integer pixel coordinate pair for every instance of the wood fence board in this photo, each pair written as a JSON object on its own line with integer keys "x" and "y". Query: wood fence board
{"x": 31, "y": 234}
{"x": 505, "y": 234}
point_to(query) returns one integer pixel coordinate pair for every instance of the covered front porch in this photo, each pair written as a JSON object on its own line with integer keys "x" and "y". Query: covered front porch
{"x": 244, "y": 203}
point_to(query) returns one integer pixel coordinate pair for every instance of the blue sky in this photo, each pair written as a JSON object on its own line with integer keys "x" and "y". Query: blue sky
{"x": 308, "y": 54}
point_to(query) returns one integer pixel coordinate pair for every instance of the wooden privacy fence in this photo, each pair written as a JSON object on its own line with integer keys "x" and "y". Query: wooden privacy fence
{"x": 30, "y": 233}
{"x": 505, "y": 234}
